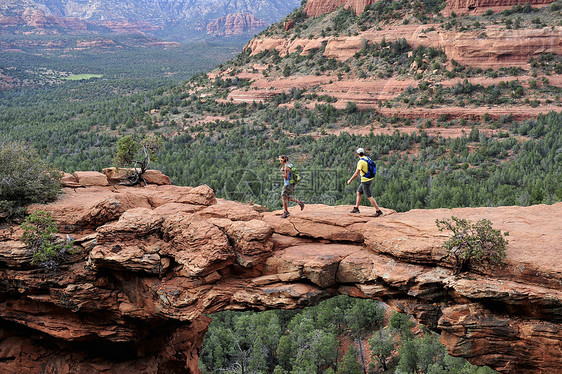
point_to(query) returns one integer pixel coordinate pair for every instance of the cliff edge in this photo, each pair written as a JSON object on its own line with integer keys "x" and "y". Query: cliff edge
{"x": 150, "y": 262}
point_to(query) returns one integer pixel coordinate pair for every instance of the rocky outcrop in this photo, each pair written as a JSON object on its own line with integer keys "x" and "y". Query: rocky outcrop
{"x": 41, "y": 23}
{"x": 465, "y": 6}
{"x": 235, "y": 24}
{"x": 180, "y": 18}
{"x": 500, "y": 47}
{"x": 316, "y": 8}
{"x": 149, "y": 263}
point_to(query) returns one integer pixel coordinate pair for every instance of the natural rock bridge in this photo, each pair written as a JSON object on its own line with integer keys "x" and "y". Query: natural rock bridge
{"x": 152, "y": 261}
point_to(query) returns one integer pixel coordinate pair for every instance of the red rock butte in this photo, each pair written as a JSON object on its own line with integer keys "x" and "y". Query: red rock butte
{"x": 317, "y": 8}
{"x": 150, "y": 262}
{"x": 499, "y": 47}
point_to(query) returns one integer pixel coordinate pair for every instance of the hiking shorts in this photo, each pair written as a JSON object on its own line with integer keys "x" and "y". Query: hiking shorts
{"x": 365, "y": 189}
{"x": 288, "y": 190}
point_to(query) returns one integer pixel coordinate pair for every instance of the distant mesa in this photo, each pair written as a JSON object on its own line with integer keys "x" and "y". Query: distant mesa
{"x": 178, "y": 19}
{"x": 316, "y": 8}
{"x": 235, "y": 24}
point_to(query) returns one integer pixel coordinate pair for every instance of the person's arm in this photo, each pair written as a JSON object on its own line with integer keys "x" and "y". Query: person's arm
{"x": 285, "y": 172}
{"x": 354, "y": 176}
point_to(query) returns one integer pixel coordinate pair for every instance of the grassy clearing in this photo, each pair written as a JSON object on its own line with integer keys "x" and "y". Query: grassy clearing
{"x": 81, "y": 77}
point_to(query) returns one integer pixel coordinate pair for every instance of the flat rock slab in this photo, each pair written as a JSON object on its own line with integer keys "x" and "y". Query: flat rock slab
{"x": 333, "y": 223}
{"x": 534, "y": 252}
{"x": 535, "y": 234}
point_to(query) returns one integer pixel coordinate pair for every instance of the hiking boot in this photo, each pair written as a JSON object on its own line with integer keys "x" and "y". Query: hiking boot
{"x": 285, "y": 215}
{"x": 301, "y": 204}
{"x": 354, "y": 210}
{"x": 378, "y": 213}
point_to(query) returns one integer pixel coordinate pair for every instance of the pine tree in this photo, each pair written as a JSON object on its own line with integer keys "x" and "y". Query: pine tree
{"x": 349, "y": 363}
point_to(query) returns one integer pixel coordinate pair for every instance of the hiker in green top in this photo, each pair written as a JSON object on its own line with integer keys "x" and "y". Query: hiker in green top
{"x": 365, "y": 186}
{"x": 288, "y": 187}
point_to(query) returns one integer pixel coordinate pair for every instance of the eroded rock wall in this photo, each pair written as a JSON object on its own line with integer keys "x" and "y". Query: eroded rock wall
{"x": 235, "y": 24}
{"x": 316, "y": 8}
{"x": 150, "y": 262}
{"x": 479, "y": 5}
{"x": 500, "y": 47}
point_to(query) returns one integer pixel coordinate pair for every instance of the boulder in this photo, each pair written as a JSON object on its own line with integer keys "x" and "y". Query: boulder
{"x": 69, "y": 180}
{"x": 91, "y": 178}
{"x": 196, "y": 244}
{"x": 116, "y": 175}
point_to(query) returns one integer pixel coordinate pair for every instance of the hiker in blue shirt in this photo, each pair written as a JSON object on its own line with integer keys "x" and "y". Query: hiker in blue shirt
{"x": 366, "y": 180}
{"x": 288, "y": 186}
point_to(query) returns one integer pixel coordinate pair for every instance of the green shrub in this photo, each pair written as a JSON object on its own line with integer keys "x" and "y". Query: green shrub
{"x": 39, "y": 231}
{"x": 473, "y": 242}
{"x": 24, "y": 179}
{"x": 137, "y": 153}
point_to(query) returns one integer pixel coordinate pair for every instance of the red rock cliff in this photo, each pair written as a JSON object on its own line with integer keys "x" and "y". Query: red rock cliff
{"x": 316, "y": 8}
{"x": 474, "y": 5}
{"x": 235, "y": 24}
{"x": 150, "y": 262}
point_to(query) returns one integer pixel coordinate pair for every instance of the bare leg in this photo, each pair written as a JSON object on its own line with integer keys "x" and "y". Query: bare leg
{"x": 374, "y": 202}
{"x": 285, "y": 204}
{"x": 358, "y": 202}
{"x": 294, "y": 200}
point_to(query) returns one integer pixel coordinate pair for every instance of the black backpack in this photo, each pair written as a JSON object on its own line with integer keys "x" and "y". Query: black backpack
{"x": 372, "y": 168}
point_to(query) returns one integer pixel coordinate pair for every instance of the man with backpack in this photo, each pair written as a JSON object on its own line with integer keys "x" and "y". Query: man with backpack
{"x": 367, "y": 168}
{"x": 290, "y": 179}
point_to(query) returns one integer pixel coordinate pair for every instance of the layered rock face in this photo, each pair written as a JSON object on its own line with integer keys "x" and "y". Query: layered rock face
{"x": 316, "y": 8}
{"x": 141, "y": 16}
{"x": 476, "y": 5}
{"x": 501, "y": 47}
{"x": 149, "y": 263}
{"x": 38, "y": 20}
{"x": 235, "y": 24}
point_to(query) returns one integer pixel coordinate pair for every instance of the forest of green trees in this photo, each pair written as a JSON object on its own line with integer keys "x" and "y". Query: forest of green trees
{"x": 341, "y": 335}
{"x": 145, "y": 63}
{"x": 518, "y": 166}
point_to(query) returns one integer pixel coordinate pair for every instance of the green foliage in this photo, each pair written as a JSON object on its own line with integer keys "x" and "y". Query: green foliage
{"x": 403, "y": 324}
{"x": 39, "y": 231}
{"x": 134, "y": 152}
{"x": 363, "y": 317}
{"x": 307, "y": 342}
{"x": 24, "y": 179}
{"x": 382, "y": 347}
{"x": 349, "y": 363}
{"x": 147, "y": 64}
{"x": 472, "y": 242}
{"x": 282, "y": 341}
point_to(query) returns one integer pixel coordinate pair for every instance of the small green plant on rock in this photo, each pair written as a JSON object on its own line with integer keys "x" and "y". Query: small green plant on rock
{"x": 137, "y": 153}
{"x": 473, "y": 242}
{"x": 39, "y": 231}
